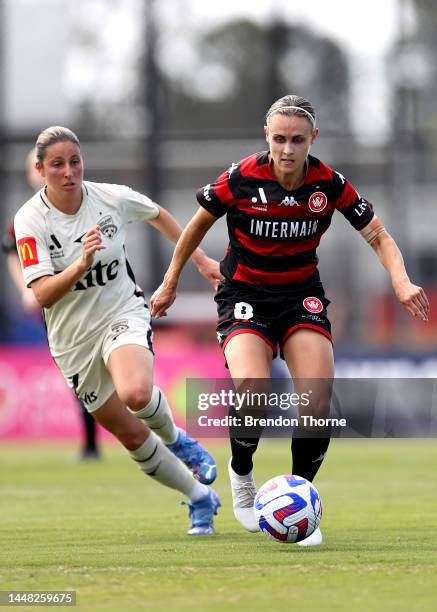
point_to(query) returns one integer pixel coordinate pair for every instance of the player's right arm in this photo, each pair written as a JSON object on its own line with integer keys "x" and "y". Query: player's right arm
{"x": 50, "y": 289}
{"x": 36, "y": 266}
{"x": 27, "y": 296}
{"x": 188, "y": 242}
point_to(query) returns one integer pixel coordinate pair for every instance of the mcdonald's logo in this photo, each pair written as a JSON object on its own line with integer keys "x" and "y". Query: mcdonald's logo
{"x": 27, "y": 251}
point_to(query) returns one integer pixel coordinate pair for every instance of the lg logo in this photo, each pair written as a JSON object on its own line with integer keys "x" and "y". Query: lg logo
{"x": 361, "y": 208}
{"x": 206, "y": 193}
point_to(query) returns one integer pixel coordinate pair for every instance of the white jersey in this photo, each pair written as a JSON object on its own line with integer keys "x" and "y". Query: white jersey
{"x": 48, "y": 241}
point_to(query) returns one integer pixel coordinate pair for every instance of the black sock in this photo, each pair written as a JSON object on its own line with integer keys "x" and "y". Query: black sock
{"x": 243, "y": 450}
{"x": 308, "y": 454}
{"x": 89, "y": 427}
{"x": 245, "y": 439}
{"x": 243, "y": 447}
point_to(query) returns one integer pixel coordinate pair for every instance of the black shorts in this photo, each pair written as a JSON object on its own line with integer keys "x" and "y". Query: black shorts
{"x": 271, "y": 314}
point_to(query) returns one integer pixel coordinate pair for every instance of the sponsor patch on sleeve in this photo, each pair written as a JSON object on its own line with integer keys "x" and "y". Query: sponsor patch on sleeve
{"x": 27, "y": 251}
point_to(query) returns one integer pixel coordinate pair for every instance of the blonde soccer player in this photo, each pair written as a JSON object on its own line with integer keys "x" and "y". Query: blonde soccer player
{"x": 71, "y": 242}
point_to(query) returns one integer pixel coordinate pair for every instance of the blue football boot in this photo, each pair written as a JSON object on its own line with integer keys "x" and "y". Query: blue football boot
{"x": 202, "y": 514}
{"x": 195, "y": 457}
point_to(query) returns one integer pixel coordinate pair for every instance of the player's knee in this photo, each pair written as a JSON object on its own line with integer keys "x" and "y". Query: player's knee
{"x": 137, "y": 397}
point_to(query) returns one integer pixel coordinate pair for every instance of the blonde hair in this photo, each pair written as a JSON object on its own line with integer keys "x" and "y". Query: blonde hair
{"x": 293, "y": 105}
{"x": 52, "y": 135}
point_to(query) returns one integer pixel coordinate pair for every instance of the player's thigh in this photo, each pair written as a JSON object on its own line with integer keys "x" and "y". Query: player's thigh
{"x": 244, "y": 331}
{"x": 310, "y": 360}
{"x": 249, "y": 359}
{"x": 131, "y": 369}
{"x": 85, "y": 372}
{"x": 116, "y": 419}
{"x": 308, "y": 354}
{"x": 248, "y": 356}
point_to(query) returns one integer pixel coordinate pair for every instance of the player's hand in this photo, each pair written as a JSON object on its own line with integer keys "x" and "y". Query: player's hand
{"x": 161, "y": 300}
{"x": 413, "y": 298}
{"x": 210, "y": 269}
{"x": 91, "y": 243}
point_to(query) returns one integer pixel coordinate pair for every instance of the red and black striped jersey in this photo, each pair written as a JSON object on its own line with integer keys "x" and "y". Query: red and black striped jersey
{"x": 8, "y": 240}
{"x": 274, "y": 233}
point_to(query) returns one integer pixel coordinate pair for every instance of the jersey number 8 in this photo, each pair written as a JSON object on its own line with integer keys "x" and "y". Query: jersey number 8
{"x": 243, "y": 310}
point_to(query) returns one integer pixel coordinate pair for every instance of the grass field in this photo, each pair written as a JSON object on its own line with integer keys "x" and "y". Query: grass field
{"x": 118, "y": 539}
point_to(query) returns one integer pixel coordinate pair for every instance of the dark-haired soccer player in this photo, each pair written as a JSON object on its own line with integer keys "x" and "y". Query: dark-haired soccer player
{"x": 278, "y": 204}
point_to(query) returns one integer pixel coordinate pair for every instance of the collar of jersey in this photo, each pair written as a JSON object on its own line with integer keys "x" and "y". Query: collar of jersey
{"x": 53, "y": 208}
{"x": 274, "y": 178}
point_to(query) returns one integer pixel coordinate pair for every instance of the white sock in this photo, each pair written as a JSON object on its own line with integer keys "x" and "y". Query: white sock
{"x": 155, "y": 460}
{"x": 158, "y": 417}
{"x": 239, "y": 477}
{"x": 199, "y": 491}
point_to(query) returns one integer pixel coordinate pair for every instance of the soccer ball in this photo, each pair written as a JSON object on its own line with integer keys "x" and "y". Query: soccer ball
{"x": 288, "y": 508}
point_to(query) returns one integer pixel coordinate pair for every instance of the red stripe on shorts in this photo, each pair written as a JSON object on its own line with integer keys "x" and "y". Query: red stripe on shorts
{"x": 308, "y": 326}
{"x": 249, "y": 331}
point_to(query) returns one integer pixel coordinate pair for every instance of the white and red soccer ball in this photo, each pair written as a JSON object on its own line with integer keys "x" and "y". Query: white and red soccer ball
{"x": 288, "y": 508}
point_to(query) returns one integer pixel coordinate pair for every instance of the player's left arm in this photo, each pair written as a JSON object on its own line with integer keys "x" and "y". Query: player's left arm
{"x": 167, "y": 225}
{"x": 411, "y": 296}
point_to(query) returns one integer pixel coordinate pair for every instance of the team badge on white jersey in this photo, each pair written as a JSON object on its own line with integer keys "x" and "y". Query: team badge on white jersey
{"x": 109, "y": 229}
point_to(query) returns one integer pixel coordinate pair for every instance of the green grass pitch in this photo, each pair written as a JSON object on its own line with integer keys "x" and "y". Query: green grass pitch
{"x": 118, "y": 539}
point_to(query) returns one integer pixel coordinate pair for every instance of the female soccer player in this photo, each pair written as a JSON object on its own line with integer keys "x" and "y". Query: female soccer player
{"x": 90, "y": 447}
{"x": 278, "y": 205}
{"x": 70, "y": 239}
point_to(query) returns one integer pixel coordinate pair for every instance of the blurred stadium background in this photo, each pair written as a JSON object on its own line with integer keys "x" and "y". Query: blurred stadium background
{"x": 165, "y": 95}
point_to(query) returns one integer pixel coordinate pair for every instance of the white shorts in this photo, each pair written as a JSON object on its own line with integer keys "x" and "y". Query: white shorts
{"x": 89, "y": 377}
